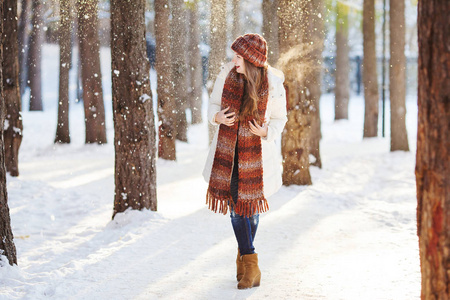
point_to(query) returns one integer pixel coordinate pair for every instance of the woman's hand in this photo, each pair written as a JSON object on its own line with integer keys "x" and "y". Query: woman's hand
{"x": 258, "y": 130}
{"x": 225, "y": 118}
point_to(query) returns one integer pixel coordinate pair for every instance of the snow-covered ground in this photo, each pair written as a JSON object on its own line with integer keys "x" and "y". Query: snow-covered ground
{"x": 351, "y": 235}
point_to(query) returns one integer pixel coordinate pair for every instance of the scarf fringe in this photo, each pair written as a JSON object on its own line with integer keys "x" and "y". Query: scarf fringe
{"x": 242, "y": 208}
{"x": 250, "y": 208}
{"x": 217, "y": 204}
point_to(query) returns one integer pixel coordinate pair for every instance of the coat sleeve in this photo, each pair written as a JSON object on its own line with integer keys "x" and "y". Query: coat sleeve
{"x": 278, "y": 115}
{"x": 215, "y": 99}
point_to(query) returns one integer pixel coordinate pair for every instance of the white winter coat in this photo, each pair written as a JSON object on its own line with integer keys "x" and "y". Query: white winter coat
{"x": 276, "y": 117}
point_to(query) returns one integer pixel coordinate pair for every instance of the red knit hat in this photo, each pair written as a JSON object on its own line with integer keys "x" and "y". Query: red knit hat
{"x": 252, "y": 47}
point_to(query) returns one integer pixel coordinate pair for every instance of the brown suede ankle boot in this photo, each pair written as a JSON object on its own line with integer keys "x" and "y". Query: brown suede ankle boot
{"x": 240, "y": 267}
{"x": 252, "y": 274}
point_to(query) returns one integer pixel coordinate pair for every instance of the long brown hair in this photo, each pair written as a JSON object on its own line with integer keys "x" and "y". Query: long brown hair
{"x": 254, "y": 78}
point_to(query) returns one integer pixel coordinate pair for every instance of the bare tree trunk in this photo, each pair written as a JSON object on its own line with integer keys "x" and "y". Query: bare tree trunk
{"x": 65, "y": 50}
{"x": 296, "y": 135}
{"x": 35, "y": 57}
{"x": 218, "y": 44}
{"x": 342, "y": 93}
{"x": 397, "y": 76}
{"x": 195, "y": 66}
{"x": 236, "y": 13}
{"x": 91, "y": 75}
{"x": 163, "y": 65}
{"x": 76, "y": 43}
{"x": 274, "y": 54}
{"x": 11, "y": 88}
{"x": 179, "y": 58}
{"x": 24, "y": 22}
{"x": 7, "y": 246}
{"x": 370, "y": 71}
{"x": 313, "y": 28}
{"x": 267, "y": 20}
{"x": 433, "y": 144}
{"x": 270, "y": 29}
{"x": 134, "y": 121}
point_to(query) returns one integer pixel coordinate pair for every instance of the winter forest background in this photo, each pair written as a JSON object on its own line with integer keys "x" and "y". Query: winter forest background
{"x": 105, "y": 136}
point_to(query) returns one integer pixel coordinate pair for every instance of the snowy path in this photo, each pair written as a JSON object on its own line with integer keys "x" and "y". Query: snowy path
{"x": 351, "y": 235}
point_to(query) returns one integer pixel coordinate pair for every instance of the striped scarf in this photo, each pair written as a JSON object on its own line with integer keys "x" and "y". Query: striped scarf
{"x": 251, "y": 198}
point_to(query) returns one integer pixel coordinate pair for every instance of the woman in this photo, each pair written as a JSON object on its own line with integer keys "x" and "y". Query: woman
{"x": 249, "y": 103}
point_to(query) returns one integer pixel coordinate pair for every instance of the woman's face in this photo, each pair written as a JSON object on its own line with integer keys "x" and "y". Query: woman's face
{"x": 239, "y": 63}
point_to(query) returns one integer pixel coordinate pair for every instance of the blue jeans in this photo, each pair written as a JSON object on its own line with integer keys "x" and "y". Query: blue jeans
{"x": 244, "y": 228}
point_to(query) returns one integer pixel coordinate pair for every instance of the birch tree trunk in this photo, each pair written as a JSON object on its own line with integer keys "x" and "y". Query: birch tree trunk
{"x": 370, "y": 71}
{"x": 91, "y": 75}
{"x": 35, "y": 56}
{"x": 342, "y": 93}
{"x": 6, "y": 236}
{"x": 433, "y": 144}
{"x": 65, "y": 49}
{"x": 163, "y": 65}
{"x": 134, "y": 122}
{"x": 397, "y": 76}
{"x": 11, "y": 88}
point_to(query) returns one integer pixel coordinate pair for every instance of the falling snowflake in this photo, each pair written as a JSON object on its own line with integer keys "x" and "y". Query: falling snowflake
{"x": 144, "y": 98}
